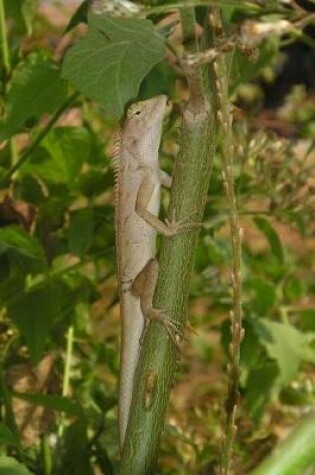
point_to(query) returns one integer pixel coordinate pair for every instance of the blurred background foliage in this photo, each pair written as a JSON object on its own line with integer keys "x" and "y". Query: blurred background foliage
{"x": 59, "y": 315}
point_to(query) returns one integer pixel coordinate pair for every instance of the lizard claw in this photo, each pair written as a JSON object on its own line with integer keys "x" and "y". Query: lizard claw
{"x": 176, "y": 227}
{"x": 171, "y": 326}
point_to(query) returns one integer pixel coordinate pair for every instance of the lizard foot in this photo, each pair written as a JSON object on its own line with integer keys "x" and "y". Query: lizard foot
{"x": 171, "y": 326}
{"x": 176, "y": 227}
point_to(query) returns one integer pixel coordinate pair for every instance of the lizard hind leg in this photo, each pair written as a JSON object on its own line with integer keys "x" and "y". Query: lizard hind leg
{"x": 143, "y": 287}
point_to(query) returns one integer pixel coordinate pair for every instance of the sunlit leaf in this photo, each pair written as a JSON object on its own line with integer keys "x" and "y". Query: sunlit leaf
{"x": 287, "y": 346}
{"x": 109, "y": 63}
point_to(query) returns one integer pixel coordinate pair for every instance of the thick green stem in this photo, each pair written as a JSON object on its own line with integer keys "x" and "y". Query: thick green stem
{"x": 295, "y": 454}
{"x": 157, "y": 364}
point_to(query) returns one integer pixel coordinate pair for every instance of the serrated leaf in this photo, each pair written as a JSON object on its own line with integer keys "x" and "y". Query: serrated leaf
{"x": 9, "y": 466}
{"x": 287, "y": 346}
{"x": 36, "y": 88}
{"x": 110, "y": 62}
{"x": 81, "y": 231}
{"x": 273, "y": 239}
{"x": 68, "y": 148}
{"x": 60, "y": 404}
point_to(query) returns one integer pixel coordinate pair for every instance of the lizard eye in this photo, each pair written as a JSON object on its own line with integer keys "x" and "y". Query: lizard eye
{"x": 137, "y": 112}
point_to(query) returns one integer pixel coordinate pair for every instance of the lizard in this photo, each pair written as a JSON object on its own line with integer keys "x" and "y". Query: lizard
{"x": 138, "y": 184}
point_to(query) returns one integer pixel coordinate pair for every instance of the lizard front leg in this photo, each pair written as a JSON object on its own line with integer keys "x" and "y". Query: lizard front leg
{"x": 143, "y": 287}
{"x": 145, "y": 192}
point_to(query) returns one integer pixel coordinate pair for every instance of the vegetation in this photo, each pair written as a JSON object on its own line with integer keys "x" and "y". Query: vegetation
{"x": 245, "y": 380}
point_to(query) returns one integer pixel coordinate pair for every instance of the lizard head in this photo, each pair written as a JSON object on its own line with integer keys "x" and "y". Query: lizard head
{"x": 143, "y": 126}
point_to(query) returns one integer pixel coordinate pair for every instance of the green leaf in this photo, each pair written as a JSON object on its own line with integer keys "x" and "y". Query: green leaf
{"x": 250, "y": 348}
{"x": 109, "y": 63}
{"x": 36, "y": 88}
{"x": 30, "y": 189}
{"x": 264, "y": 298}
{"x": 81, "y": 231}
{"x": 7, "y": 437}
{"x": 93, "y": 182}
{"x": 273, "y": 239}
{"x": 68, "y": 149}
{"x": 9, "y": 466}
{"x": 258, "y": 388}
{"x": 308, "y": 319}
{"x": 16, "y": 241}
{"x": 293, "y": 288}
{"x": 36, "y": 312}
{"x": 60, "y": 404}
{"x": 287, "y": 346}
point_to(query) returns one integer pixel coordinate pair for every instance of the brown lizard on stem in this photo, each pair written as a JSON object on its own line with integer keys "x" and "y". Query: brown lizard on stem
{"x": 139, "y": 180}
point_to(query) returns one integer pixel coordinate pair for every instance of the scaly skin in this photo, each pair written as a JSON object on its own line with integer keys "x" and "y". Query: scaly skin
{"x": 138, "y": 202}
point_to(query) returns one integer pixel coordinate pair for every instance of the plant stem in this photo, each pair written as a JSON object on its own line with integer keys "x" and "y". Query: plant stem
{"x": 39, "y": 138}
{"x": 4, "y": 39}
{"x": 47, "y": 461}
{"x": 225, "y": 119}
